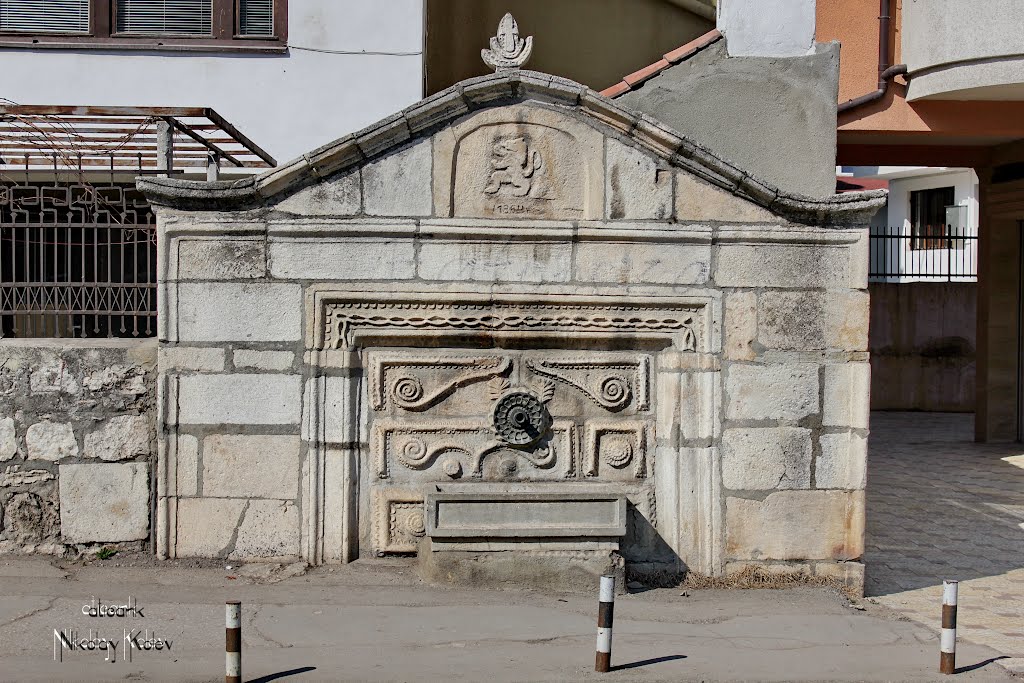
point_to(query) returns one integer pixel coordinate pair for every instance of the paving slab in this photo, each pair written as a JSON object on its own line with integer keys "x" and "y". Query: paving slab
{"x": 940, "y": 506}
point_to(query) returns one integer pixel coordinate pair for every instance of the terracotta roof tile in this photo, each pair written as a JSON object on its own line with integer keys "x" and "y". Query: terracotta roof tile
{"x": 645, "y": 73}
{"x": 693, "y": 47}
{"x": 671, "y": 58}
{"x": 616, "y": 89}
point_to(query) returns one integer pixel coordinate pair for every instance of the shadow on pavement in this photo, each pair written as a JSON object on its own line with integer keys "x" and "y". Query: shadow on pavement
{"x": 283, "y": 674}
{"x": 973, "y": 667}
{"x": 647, "y": 662}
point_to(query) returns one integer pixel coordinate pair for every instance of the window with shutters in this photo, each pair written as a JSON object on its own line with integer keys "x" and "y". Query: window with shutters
{"x": 256, "y": 17}
{"x": 44, "y": 16}
{"x": 165, "y": 17}
{"x": 242, "y": 25}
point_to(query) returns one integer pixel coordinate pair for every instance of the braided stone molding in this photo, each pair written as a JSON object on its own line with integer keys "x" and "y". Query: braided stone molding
{"x": 345, "y": 317}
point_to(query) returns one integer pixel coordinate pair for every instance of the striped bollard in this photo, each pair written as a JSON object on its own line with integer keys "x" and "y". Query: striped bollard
{"x": 233, "y": 643}
{"x": 947, "y": 645}
{"x": 605, "y": 611}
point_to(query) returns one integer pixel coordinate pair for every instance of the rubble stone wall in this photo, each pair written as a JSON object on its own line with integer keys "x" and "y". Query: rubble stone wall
{"x": 77, "y": 439}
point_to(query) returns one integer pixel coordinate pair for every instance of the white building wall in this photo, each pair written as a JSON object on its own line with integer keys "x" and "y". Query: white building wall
{"x": 965, "y": 193}
{"x": 349, "y": 63}
{"x": 768, "y": 28}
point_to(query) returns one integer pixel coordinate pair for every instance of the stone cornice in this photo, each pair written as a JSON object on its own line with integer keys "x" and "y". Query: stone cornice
{"x": 427, "y": 116}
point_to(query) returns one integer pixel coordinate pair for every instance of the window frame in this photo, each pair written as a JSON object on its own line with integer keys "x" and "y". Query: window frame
{"x": 927, "y": 235}
{"x": 103, "y": 36}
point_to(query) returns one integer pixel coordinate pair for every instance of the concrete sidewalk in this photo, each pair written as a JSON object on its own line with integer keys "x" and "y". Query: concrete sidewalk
{"x": 377, "y": 622}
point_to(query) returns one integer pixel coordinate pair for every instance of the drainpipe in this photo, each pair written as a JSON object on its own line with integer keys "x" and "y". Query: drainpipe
{"x": 886, "y": 71}
{"x": 884, "y": 10}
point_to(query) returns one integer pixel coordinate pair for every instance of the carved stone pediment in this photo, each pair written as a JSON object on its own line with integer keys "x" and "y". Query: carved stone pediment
{"x": 512, "y": 144}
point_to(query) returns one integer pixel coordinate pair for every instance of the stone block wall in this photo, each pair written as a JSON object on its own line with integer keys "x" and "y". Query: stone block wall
{"x": 794, "y": 432}
{"x": 77, "y": 442}
{"x": 746, "y": 326}
{"x": 235, "y": 459}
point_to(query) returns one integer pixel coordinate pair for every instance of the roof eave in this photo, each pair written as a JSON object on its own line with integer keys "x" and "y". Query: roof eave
{"x": 500, "y": 89}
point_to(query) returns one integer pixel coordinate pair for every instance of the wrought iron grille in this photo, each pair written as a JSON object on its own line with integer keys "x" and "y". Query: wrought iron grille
{"x": 945, "y": 253}
{"x": 77, "y": 259}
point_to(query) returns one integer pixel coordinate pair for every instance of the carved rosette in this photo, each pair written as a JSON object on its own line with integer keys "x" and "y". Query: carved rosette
{"x": 400, "y": 521}
{"x": 616, "y": 450}
{"x": 520, "y": 418}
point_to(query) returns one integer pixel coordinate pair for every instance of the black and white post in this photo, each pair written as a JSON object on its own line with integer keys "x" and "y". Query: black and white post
{"x": 233, "y": 643}
{"x": 605, "y": 612}
{"x": 947, "y": 642}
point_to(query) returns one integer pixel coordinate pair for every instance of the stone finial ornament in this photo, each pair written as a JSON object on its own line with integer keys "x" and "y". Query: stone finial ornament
{"x": 508, "y": 50}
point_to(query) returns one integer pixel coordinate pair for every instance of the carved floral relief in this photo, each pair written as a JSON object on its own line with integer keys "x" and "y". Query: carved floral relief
{"x": 393, "y": 378}
{"x": 399, "y": 521}
{"x": 610, "y": 383}
{"x": 616, "y": 450}
{"x": 447, "y": 450}
{"x": 440, "y": 416}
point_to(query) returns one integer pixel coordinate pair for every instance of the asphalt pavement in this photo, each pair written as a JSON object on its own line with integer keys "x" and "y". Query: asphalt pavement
{"x": 376, "y": 621}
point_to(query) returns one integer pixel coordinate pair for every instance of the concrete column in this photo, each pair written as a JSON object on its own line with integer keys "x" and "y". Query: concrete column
{"x": 164, "y": 147}
{"x": 999, "y": 291}
{"x": 212, "y": 168}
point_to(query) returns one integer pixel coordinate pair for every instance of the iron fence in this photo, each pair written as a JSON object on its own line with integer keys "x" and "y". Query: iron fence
{"x": 932, "y": 253}
{"x": 76, "y": 260}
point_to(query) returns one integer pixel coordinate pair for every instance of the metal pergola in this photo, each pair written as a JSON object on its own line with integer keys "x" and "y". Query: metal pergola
{"x": 125, "y": 139}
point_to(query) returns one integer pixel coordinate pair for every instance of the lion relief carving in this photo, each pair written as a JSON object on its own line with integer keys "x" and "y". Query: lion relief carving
{"x": 515, "y": 169}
